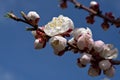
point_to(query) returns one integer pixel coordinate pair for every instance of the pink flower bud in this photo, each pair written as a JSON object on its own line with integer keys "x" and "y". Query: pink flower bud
{"x": 84, "y": 42}
{"x": 58, "y": 43}
{"x": 110, "y": 72}
{"x": 98, "y": 45}
{"x": 39, "y": 43}
{"x": 104, "y": 64}
{"x": 33, "y": 17}
{"x": 94, "y": 71}
{"x": 82, "y": 31}
{"x": 85, "y": 58}
{"x": 94, "y": 5}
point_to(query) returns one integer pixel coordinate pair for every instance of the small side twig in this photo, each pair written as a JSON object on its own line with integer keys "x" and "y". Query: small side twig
{"x": 81, "y": 6}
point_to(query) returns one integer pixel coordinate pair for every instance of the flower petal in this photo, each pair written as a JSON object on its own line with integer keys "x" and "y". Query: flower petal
{"x": 58, "y": 25}
{"x": 58, "y": 43}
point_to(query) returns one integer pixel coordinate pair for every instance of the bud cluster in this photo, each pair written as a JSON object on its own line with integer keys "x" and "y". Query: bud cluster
{"x": 96, "y": 53}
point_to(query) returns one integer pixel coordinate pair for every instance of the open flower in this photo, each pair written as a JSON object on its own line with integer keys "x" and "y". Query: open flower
{"x": 33, "y": 17}
{"x": 59, "y": 25}
{"x": 58, "y": 43}
{"x": 109, "y": 52}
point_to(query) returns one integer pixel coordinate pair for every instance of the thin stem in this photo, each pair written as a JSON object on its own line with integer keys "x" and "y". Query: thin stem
{"x": 80, "y": 6}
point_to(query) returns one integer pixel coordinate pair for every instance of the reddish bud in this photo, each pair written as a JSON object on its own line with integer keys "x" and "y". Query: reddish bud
{"x": 117, "y": 23}
{"x": 63, "y": 4}
{"x": 109, "y": 15}
{"x": 90, "y": 19}
{"x": 94, "y": 5}
{"x": 105, "y": 25}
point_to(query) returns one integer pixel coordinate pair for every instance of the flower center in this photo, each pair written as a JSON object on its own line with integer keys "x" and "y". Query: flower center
{"x": 56, "y": 22}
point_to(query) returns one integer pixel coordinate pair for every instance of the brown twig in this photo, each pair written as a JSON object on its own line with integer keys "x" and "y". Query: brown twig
{"x": 99, "y": 14}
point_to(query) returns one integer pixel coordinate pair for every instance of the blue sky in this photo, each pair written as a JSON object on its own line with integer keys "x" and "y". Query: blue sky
{"x": 20, "y": 61}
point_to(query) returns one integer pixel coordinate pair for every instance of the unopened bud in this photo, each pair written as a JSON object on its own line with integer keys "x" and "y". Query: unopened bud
{"x": 94, "y": 5}
{"x": 110, "y": 72}
{"x": 39, "y": 43}
{"x": 94, "y": 71}
{"x": 85, "y": 58}
{"x": 105, "y": 25}
{"x": 33, "y": 17}
{"x": 104, "y": 64}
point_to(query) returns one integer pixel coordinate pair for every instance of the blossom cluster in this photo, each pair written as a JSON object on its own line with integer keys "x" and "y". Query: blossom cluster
{"x": 96, "y": 53}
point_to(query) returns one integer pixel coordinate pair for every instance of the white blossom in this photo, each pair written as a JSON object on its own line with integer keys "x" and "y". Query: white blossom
{"x": 58, "y": 43}
{"x": 58, "y": 25}
{"x": 109, "y": 53}
{"x": 110, "y": 72}
{"x": 104, "y": 64}
{"x": 33, "y": 17}
{"x": 38, "y": 44}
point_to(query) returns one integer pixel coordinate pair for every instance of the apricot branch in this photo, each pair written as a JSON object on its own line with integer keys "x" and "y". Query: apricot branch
{"x": 99, "y": 55}
{"x": 94, "y": 11}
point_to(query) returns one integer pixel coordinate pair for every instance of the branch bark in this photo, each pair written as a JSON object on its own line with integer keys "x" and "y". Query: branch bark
{"x": 78, "y": 5}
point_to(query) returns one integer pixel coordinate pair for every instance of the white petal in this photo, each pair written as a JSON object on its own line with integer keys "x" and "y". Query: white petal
{"x": 108, "y": 53}
{"x": 82, "y": 31}
{"x": 98, "y": 45}
{"x": 112, "y": 54}
{"x": 83, "y": 42}
{"x": 33, "y": 33}
{"x": 33, "y": 15}
{"x": 58, "y": 43}
{"x": 85, "y": 58}
{"x": 71, "y": 41}
{"x": 38, "y": 45}
{"x": 58, "y": 25}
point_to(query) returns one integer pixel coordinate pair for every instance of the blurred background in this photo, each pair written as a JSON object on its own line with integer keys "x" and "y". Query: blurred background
{"x": 20, "y": 61}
